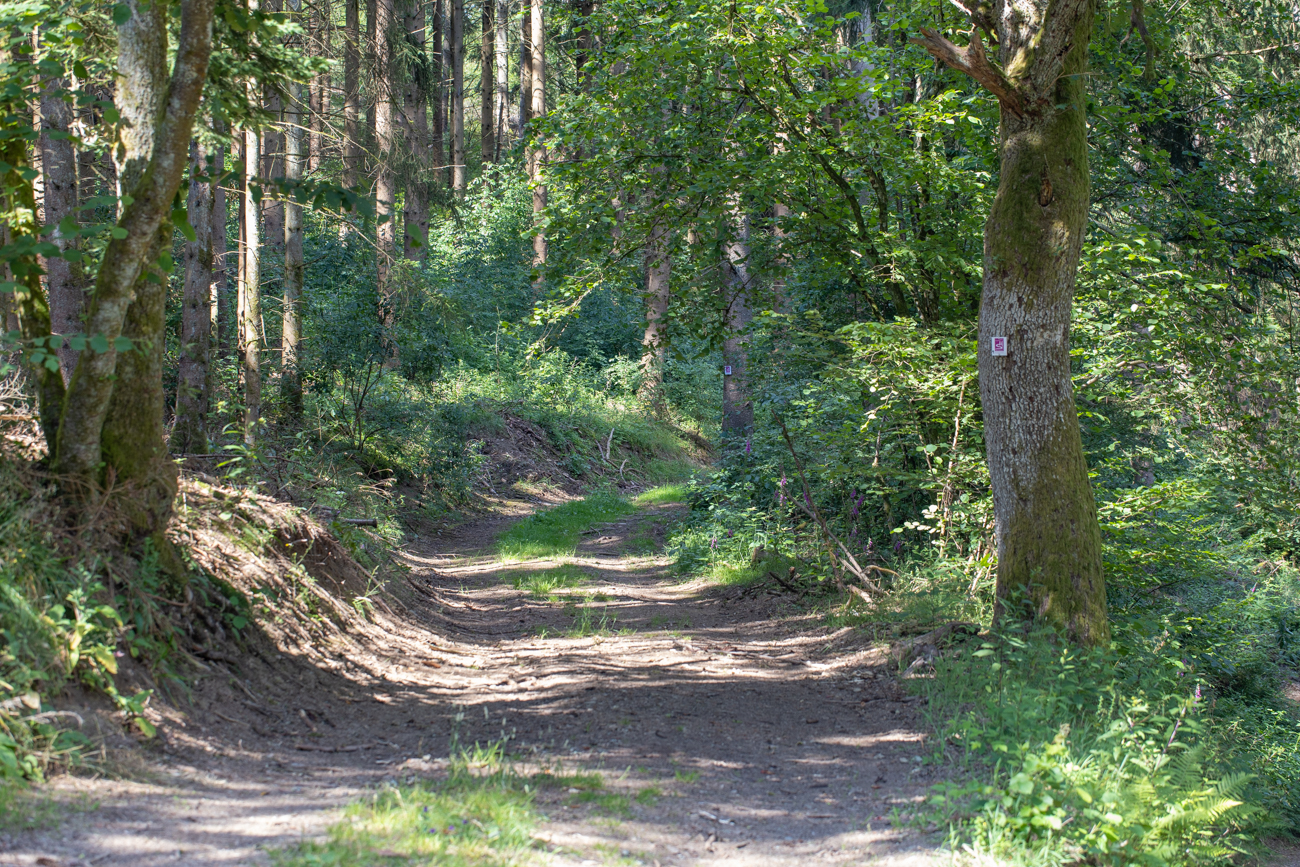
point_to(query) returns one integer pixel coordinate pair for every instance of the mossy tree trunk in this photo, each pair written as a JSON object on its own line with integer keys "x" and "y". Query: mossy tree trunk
{"x": 1048, "y": 539}
{"x": 111, "y": 424}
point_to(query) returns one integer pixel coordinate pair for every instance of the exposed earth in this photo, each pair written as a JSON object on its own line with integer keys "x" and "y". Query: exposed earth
{"x": 770, "y": 739}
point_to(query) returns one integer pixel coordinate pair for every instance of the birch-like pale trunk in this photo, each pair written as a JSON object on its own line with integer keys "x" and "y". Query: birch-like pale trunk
{"x": 250, "y": 290}
{"x": 1048, "y": 538}
{"x": 501, "y": 104}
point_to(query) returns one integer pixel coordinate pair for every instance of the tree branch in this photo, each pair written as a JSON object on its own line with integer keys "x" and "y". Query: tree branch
{"x": 974, "y": 62}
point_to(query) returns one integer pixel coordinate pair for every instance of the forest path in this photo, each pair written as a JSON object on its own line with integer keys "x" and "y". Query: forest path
{"x": 728, "y": 726}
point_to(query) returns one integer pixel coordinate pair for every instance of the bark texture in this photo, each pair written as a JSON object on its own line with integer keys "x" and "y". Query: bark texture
{"x": 487, "y": 85}
{"x": 112, "y": 421}
{"x": 458, "y": 177}
{"x": 250, "y": 294}
{"x": 28, "y": 304}
{"x": 291, "y": 314}
{"x": 220, "y": 303}
{"x": 189, "y": 433}
{"x": 654, "y": 345}
{"x": 64, "y": 279}
{"x": 351, "y": 93}
{"x": 1049, "y": 543}
{"x": 537, "y": 153}
{"x": 737, "y": 407}
{"x": 386, "y": 186}
{"x": 415, "y": 113}
{"x": 501, "y": 104}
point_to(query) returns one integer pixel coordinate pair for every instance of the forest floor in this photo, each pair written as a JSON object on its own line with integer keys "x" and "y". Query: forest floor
{"x": 729, "y": 726}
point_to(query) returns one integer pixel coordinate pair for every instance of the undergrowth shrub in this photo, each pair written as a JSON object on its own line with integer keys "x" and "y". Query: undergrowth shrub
{"x": 1123, "y": 755}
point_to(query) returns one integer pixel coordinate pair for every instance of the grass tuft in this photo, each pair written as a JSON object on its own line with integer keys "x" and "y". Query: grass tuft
{"x": 555, "y": 532}
{"x": 670, "y": 493}
{"x": 544, "y": 584}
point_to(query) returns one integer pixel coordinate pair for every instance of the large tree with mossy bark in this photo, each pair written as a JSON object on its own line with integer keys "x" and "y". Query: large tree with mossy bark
{"x": 1048, "y": 538}
{"x": 105, "y": 430}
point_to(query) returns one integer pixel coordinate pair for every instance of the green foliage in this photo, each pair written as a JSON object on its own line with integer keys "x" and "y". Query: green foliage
{"x": 555, "y": 532}
{"x": 1114, "y": 756}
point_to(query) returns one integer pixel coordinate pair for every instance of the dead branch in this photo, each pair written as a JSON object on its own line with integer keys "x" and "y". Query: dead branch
{"x": 849, "y": 563}
{"x": 974, "y": 62}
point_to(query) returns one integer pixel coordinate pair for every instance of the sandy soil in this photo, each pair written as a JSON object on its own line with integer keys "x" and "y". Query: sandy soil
{"x": 772, "y": 740}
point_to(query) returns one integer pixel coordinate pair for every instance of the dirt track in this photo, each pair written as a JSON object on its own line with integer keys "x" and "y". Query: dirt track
{"x": 771, "y": 740}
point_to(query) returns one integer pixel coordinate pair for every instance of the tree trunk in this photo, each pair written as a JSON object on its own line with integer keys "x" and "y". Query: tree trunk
{"x": 1049, "y": 543}
{"x": 250, "y": 291}
{"x": 737, "y": 408}
{"x": 291, "y": 315}
{"x": 322, "y": 28}
{"x": 189, "y": 434}
{"x": 537, "y": 152}
{"x": 28, "y": 304}
{"x": 64, "y": 279}
{"x": 525, "y": 71}
{"x": 220, "y": 302}
{"x": 416, "y": 112}
{"x": 487, "y": 86}
{"x": 112, "y": 423}
{"x": 582, "y": 53}
{"x": 273, "y": 155}
{"x": 658, "y": 276}
{"x": 351, "y": 93}
{"x": 439, "y": 79}
{"x": 501, "y": 103}
{"x": 385, "y": 188}
{"x": 458, "y": 178}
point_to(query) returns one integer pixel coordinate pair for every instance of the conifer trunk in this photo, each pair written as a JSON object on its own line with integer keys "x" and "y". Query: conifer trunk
{"x": 351, "y": 93}
{"x": 439, "y": 79}
{"x": 458, "y": 177}
{"x": 487, "y": 86}
{"x": 65, "y": 286}
{"x": 385, "y": 187}
{"x": 537, "y": 150}
{"x": 220, "y": 301}
{"x": 189, "y": 433}
{"x": 416, "y": 113}
{"x": 291, "y": 315}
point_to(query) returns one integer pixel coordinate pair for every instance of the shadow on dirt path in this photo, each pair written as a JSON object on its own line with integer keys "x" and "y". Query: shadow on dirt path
{"x": 752, "y": 734}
